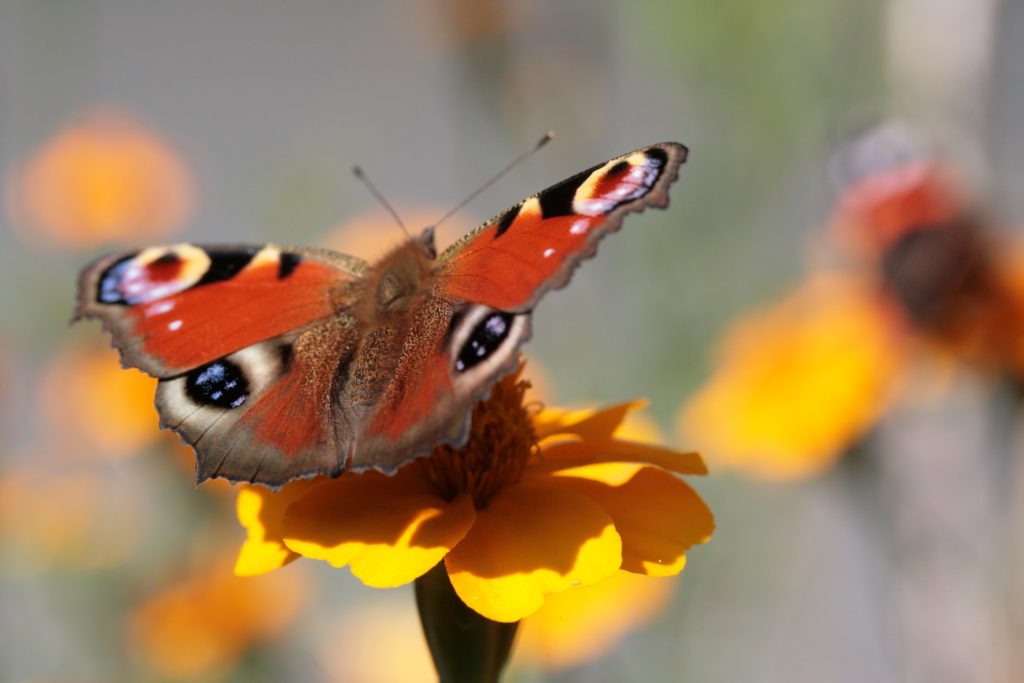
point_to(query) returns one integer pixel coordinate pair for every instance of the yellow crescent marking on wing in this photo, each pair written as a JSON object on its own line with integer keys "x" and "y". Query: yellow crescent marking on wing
{"x": 586, "y": 189}
{"x": 194, "y": 261}
{"x": 529, "y": 209}
{"x": 268, "y": 255}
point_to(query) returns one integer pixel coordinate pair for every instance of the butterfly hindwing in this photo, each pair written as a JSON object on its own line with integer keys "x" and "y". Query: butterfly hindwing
{"x": 509, "y": 262}
{"x": 457, "y": 351}
{"x": 266, "y": 413}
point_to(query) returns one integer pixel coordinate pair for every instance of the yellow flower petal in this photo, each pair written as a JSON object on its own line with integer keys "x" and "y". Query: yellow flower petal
{"x": 261, "y": 512}
{"x": 389, "y": 530}
{"x": 588, "y": 423}
{"x": 799, "y": 382}
{"x": 533, "y": 539}
{"x": 658, "y": 516}
{"x": 586, "y": 622}
{"x": 567, "y": 454}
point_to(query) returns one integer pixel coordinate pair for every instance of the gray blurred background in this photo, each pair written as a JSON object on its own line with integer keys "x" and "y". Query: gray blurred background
{"x": 268, "y": 105}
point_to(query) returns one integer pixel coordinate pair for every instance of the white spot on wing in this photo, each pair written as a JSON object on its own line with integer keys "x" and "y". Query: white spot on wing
{"x": 159, "y": 308}
{"x": 174, "y": 325}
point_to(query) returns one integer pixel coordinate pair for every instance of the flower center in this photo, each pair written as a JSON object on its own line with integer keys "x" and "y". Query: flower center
{"x": 501, "y": 442}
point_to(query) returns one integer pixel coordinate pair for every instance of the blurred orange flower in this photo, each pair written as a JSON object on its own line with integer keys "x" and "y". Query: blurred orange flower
{"x": 381, "y": 640}
{"x": 798, "y": 382}
{"x": 203, "y": 624}
{"x": 535, "y": 504}
{"x": 105, "y": 178}
{"x": 802, "y": 380}
{"x": 64, "y": 516}
{"x": 584, "y": 624}
{"x": 94, "y": 407}
{"x": 372, "y": 235}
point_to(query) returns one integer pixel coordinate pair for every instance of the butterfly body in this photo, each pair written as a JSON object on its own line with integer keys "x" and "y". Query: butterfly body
{"x": 277, "y": 363}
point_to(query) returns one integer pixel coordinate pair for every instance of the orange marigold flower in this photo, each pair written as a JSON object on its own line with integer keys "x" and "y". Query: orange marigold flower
{"x": 802, "y": 380}
{"x": 797, "y": 382}
{"x": 534, "y": 504}
{"x": 105, "y": 178}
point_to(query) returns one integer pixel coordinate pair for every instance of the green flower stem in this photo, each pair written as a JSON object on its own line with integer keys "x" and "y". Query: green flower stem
{"x": 466, "y": 647}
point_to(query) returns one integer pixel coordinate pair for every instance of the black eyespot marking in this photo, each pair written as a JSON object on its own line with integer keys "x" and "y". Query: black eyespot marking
{"x": 486, "y": 338}
{"x": 557, "y": 199}
{"x": 224, "y": 265}
{"x": 108, "y": 290}
{"x": 618, "y": 168}
{"x": 456, "y": 322}
{"x": 657, "y": 158}
{"x": 287, "y": 352}
{"x": 220, "y": 384}
{"x": 169, "y": 258}
{"x": 506, "y": 220}
{"x": 287, "y": 263}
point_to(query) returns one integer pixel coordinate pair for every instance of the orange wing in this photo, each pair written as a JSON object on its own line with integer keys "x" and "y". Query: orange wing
{"x": 512, "y": 260}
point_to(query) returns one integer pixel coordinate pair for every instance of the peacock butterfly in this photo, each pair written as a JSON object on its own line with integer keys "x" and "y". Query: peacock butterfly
{"x": 277, "y": 363}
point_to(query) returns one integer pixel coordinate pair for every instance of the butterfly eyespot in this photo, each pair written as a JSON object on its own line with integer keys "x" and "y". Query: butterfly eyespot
{"x": 108, "y": 290}
{"x": 220, "y": 384}
{"x": 484, "y": 340}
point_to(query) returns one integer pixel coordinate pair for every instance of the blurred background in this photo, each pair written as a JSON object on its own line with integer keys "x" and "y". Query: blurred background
{"x": 870, "y": 520}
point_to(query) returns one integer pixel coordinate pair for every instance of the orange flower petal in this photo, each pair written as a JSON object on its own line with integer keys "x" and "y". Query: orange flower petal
{"x": 567, "y": 454}
{"x": 586, "y": 622}
{"x": 389, "y": 530}
{"x": 533, "y": 539}
{"x": 261, "y": 512}
{"x": 798, "y": 382}
{"x": 658, "y": 516}
{"x": 588, "y": 423}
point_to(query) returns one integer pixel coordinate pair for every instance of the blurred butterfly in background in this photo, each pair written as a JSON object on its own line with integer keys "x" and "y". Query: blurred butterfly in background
{"x": 277, "y": 363}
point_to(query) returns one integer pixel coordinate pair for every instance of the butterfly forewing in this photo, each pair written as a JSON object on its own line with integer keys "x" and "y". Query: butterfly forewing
{"x": 512, "y": 260}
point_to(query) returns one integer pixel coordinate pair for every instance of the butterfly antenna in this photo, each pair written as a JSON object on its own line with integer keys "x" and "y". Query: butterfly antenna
{"x": 548, "y": 137}
{"x": 357, "y": 171}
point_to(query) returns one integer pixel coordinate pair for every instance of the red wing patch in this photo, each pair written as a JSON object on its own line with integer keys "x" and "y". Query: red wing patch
{"x": 265, "y": 414}
{"x": 174, "y": 308}
{"x": 509, "y": 262}
{"x": 413, "y": 400}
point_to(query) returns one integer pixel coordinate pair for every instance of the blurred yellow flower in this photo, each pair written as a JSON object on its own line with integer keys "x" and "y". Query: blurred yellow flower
{"x": 799, "y": 382}
{"x": 532, "y": 506}
{"x": 94, "y": 407}
{"x": 584, "y": 624}
{"x": 105, "y": 178}
{"x": 203, "y": 624}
